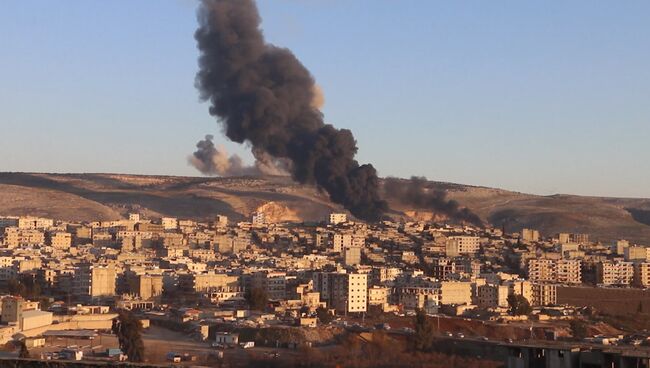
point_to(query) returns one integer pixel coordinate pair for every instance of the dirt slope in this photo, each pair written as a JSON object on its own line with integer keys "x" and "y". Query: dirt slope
{"x": 108, "y": 196}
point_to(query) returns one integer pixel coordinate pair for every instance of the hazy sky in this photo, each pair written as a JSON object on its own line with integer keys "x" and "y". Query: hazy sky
{"x": 542, "y": 97}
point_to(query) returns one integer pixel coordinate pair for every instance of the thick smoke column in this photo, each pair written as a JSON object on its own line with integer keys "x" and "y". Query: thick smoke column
{"x": 210, "y": 160}
{"x": 415, "y": 193}
{"x": 265, "y": 97}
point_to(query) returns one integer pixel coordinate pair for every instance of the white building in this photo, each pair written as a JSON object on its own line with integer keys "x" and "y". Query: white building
{"x": 338, "y": 218}
{"x": 345, "y": 292}
{"x": 458, "y": 245}
{"x": 169, "y": 223}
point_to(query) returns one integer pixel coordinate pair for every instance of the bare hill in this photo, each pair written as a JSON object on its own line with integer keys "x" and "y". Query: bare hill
{"x": 110, "y": 196}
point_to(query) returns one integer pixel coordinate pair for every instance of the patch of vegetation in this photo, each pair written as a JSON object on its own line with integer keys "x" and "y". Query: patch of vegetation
{"x": 519, "y": 305}
{"x": 128, "y": 329}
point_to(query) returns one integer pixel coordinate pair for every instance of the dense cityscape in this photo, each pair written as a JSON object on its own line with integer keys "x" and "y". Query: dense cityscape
{"x": 243, "y": 184}
{"x": 222, "y": 285}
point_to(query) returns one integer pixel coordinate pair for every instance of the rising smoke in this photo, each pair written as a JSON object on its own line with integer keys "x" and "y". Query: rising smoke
{"x": 212, "y": 160}
{"x": 415, "y": 193}
{"x": 266, "y": 98}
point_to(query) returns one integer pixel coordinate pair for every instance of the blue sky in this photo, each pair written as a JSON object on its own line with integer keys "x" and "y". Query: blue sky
{"x": 534, "y": 96}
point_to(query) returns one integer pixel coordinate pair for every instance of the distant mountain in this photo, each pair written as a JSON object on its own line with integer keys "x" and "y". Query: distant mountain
{"x": 110, "y": 196}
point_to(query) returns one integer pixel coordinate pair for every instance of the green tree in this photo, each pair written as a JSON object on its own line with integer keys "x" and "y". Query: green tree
{"x": 257, "y": 298}
{"x": 374, "y": 312}
{"x": 16, "y": 287}
{"x": 519, "y": 305}
{"x": 578, "y": 329}
{"x": 324, "y": 316}
{"x": 25, "y": 286}
{"x": 424, "y": 331}
{"x": 23, "y": 352}
{"x": 128, "y": 330}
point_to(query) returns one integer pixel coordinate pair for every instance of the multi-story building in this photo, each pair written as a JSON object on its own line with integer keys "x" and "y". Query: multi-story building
{"x": 569, "y": 271}
{"x": 169, "y": 223}
{"x": 563, "y": 271}
{"x": 444, "y": 267}
{"x": 94, "y": 281}
{"x": 529, "y": 235}
{"x": 62, "y": 240}
{"x": 221, "y": 221}
{"x": 378, "y": 295}
{"x": 620, "y": 246}
{"x": 455, "y": 292}
{"x": 29, "y": 222}
{"x": 352, "y": 256}
{"x": 15, "y": 237}
{"x": 635, "y": 253}
{"x": 581, "y": 238}
{"x": 564, "y": 238}
{"x": 258, "y": 218}
{"x": 459, "y": 245}
{"x": 614, "y": 273}
{"x": 149, "y": 286}
{"x": 426, "y": 298}
{"x": 520, "y": 287}
{"x": 382, "y": 275}
{"x": 642, "y": 274}
{"x": 337, "y": 218}
{"x": 544, "y": 294}
{"x": 345, "y": 292}
{"x": 273, "y": 282}
{"x": 492, "y": 296}
{"x": 208, "y": 281}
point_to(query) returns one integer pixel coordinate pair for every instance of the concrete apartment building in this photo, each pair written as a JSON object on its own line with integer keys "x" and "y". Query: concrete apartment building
{"x": 529, "y": 235}
{"x": 564, "y": 238}
{"x": 520, "y": 287}
{"x": 614, "y": 273}
{"x": 345, "y": 292}
{"x": 61, "y": 240}
{"x": 462, "y": 245}
{"x": 208, "y": 281}
{"x": 273, "y": 282}
{"x": 15, "y": 237}
{"x": 544, "y": 294}
{"x": 378, "y": 295}
{"x": 635, "y": 253}
{"x": 492, "y": 296}
{"x": 620, "y": 246}
{"x": 569, "y": 271}
{"x": 562, "y": 271}
{"x": 411, "y": 298}
{"x": 444, "y": 267}
{"x": 337, "y": 218}
{"x": 352, "y": 256}
{"x": 149, "y": 286}
{"x": 455, "y": 292}
{"x": 381, "y": 275}
{"x": 29, "y": 222}
{"x": 258, "y": 218}
{"x": 642, "y": 274}
{"x": 341, "y": 241}
{"x": 94, "y": 281}
{"x": 169, "y": 223}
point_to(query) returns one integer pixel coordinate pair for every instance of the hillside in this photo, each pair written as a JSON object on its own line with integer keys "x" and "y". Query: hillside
{"x": 110, "y": 196}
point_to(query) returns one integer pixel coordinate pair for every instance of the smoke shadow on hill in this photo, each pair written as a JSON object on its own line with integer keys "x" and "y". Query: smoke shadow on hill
{"x": 187, "y": 205}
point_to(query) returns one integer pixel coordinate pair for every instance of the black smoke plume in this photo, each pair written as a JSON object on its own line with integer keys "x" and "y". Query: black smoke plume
{"x": 212, "y": 160}
{"x": 415, "y": 193}
{"x": 265, "y": 97}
